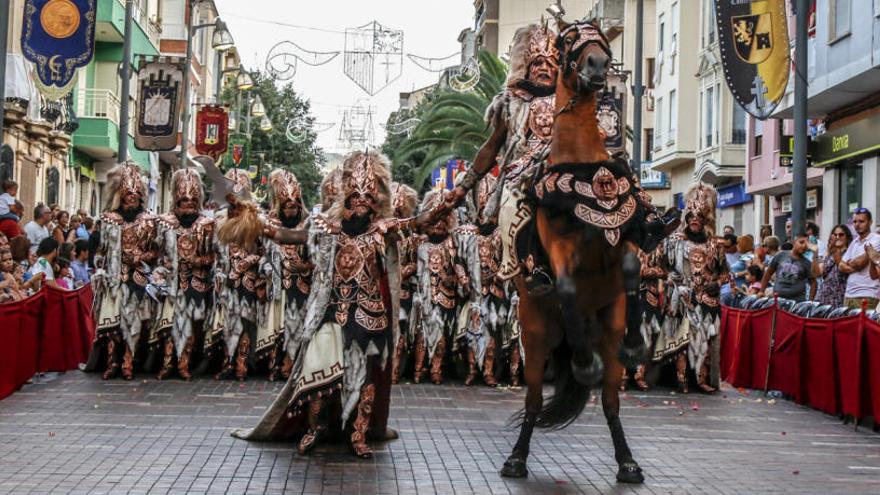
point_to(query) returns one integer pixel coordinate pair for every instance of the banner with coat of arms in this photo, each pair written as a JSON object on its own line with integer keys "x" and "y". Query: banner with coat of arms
{"x": 159, "y": 90}
{"x": 611, "y": 112}
{"x": 237, "y": 151}
{"x": 212, "y": 131}
{"x": 58, "y": 36}
{"x": 753, "y": 37}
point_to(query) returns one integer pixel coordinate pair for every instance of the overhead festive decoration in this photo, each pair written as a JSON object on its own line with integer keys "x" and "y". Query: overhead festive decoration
{"x": 212, "y": 131}
{"x": 58, "y": 36}
{"x": 434, "y": 64}
{"x": 463, "y": 78}
{"x": 753, "y": 37}
{"x": 281, "y": 62}
{"x": 404, "y": 127}
{"x": 159, "y": 89}
{"x": 373, "y": 56}
{"x": 611, "y": 112}
{"x": 356, "y": 128}
{"x": 297, "y": 132}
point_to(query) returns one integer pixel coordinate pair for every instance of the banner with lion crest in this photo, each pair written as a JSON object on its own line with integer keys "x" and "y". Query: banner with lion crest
{"x": 753, "y": 37}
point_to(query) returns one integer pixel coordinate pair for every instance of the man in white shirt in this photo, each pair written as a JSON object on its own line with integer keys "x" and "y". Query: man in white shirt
{"x": 36, "y": 229}
{"x": 47, "y": 251}
{"x": 860, "y": 287}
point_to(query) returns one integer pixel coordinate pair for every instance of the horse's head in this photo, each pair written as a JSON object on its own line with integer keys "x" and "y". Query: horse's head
{"x": 584, "y": 56}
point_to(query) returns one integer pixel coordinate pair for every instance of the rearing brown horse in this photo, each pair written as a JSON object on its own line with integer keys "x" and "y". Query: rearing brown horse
{"x": 582, "y": 323}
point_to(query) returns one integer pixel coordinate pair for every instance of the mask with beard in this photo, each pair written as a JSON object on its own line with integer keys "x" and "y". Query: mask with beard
{"x": 539, "y": 90}
{"x": 356, "y": 224}
{"x": 289, "y": 221}
{"x": 129, "y": 215}
{"x": 698, "y": 237}
{"x": 187, "y": 219}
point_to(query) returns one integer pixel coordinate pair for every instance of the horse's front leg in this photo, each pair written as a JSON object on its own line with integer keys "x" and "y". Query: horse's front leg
{"x": 633, "y": 351}
{"x": 614, "y": 320}
{"x": 537, "y": 344}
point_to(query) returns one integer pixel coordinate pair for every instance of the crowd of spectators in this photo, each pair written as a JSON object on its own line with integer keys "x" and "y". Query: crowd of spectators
{"x": 56, "y": 248}
{"x": 843, "y": 270}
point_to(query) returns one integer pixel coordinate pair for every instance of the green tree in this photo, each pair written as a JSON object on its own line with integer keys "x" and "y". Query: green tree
{"x": 271, "y": 150}
{"x": 452, "y": 124}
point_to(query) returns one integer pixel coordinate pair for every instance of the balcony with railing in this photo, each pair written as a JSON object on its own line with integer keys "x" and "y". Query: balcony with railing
{"x": 98, "y": 103}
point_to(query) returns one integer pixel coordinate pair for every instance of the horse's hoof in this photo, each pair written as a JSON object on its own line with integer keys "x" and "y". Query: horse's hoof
{"x": 514, "y": 467}
{"x": 632, "y": 357}
{"x": 630, "y": 472}
{"x": 589, "y": 376}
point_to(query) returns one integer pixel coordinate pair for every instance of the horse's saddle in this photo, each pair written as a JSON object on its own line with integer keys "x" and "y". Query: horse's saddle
{"x": 600, "y": 195}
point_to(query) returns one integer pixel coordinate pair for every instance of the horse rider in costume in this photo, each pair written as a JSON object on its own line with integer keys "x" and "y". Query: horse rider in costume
{"x": 404, "y": 201}
{"x": 241, "y": 287}
{"x": 126, "y": 256}
{"x": 289, "y": 268}
{"x": 186, "y": 241}
{"x": 522, "y": 118}
{"x": 342, "y": 369}
{"x": 697, "y": 269}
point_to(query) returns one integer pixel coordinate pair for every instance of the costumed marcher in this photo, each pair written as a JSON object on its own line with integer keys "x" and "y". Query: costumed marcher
{"x": 443, "y": 293}
{"x": 289, "y": 268}
{"x": 186, "y": 240}
{"x": 342, "y": 369}
{"x": 653, "y": 294}
{"x": 240, "y": 286}
{"x": 404, "y": 201}
{"x": 697, "y": 270}
{"x": 125, "y": 259}
{"x": 486, "y": 343}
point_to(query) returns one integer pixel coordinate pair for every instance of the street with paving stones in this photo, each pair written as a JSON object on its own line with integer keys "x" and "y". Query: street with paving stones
{"x": 74, "y": 433}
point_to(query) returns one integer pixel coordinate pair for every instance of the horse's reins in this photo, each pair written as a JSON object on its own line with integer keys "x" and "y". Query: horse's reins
{"x": 587, "y": 34}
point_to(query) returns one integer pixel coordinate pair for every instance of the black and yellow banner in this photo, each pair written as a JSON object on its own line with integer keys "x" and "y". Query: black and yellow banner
{"x": 753, "y": 37}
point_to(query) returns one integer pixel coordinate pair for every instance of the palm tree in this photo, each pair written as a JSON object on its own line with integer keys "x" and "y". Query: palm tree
{"x": 452, "y": 125}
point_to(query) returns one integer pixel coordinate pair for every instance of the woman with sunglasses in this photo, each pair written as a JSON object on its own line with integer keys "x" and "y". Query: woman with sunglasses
{"x": 833, "y": 286}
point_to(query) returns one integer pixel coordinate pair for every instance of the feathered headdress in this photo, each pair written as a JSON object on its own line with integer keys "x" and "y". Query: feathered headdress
{"x": 530, "y": 43}
{"x": 284, "y": 187}
{"x": 404, "y": 200}
{"x": 700, "y": 200}
{"x": 367, "y": 174}
{"x": 187, "y": 184}
{"x": 123, "y": 179}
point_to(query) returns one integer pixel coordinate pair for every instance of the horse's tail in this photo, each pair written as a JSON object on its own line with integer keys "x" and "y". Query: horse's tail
{"x": 569, "y": 397}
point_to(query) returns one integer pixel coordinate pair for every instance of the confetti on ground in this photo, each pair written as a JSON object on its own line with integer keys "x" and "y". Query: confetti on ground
{"x": 695, "y": 406}
{"x": 795, "y": 472}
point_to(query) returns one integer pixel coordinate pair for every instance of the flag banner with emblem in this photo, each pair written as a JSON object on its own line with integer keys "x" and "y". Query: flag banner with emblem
{"x": 753, "y": 37}
{"x": 58, "y": 36}
{"x": 212, "y": 131}
{"x": 159, "y": 91}
{"x": 237, "y": 151}
{"x": 611, "y": 112}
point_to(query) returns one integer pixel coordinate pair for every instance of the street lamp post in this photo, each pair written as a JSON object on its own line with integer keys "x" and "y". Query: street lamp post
{"x": 799, "y": 162}
{"x": 125, "y": 86}
{"x": 638, "y": 90}
{"x": 4, "y": 32}
{"x": 221, "y": 40}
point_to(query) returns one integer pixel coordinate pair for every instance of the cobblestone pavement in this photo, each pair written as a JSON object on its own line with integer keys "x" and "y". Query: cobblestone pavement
{"x": 74, "y": 433}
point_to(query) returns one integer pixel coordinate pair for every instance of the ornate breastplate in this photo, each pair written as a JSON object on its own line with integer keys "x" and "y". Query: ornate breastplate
{"x": 533, "y": 139}
{"x": 195, "y": 255}
{"x": 441, "y": 266}
{"x": 356, "y": 283}
{"x": 244, "y": 269}
{"x": 137, "y": 245}
{"x": 296, "y": 269}
{"x": 488, "y": 248}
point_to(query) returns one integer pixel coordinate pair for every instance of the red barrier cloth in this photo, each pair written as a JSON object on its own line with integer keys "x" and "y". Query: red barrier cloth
{"x": 29, "y": 336}
{"x": 51, "y": 357}
{"x": 9, "y": 347}
{"x": 871, "y": 370}
{"x": 745, "y": 346}
{"x": 785, "y": 366}
{"x": 818, "y": 383}
{"x": 848, "y": 338}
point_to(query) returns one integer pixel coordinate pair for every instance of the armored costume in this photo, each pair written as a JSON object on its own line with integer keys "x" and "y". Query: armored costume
{"x": 124, "y": 261}
{"x": 290, "y": 271}
{"x": 404, "y": 201}
{"x": 653, "y": 296}
{"x": 343, "y": 352}
{"x": 186, "y": 240}
{"x": 240, "y": 286}
{"x": 443, "y": 293}
{"x": 697, "y": 269}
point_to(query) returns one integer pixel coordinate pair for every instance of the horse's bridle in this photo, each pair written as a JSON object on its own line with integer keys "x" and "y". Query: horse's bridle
{"x": 587, "y": 34}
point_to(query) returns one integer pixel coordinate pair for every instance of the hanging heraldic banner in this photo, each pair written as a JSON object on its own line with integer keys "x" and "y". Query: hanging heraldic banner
{"x": 158, "y": 115}
{"x": 611, "y": 112}
{"x": 58, "y": 36}
{"x": 753, "y": 37}
{"x": 212, "y": 131}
